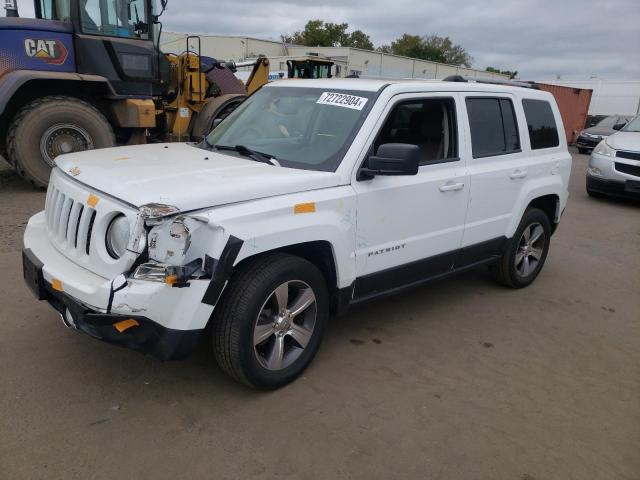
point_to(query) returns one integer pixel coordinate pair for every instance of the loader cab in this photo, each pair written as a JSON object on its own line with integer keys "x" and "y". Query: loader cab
{"x": 113, "y": 39}
{"x": 309, "y": 68}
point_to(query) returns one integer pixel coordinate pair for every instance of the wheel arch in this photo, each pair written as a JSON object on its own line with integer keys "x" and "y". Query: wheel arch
{"x": 320, "y": 253}
{"x": 17, "y": 89}
{"x": 550, "y": 205}
{"x": 542, "y": 195}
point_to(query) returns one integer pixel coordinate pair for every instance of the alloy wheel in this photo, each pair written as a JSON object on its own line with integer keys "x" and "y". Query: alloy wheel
{"x": 285, "y": 325}
{"x": 530, "y": 249}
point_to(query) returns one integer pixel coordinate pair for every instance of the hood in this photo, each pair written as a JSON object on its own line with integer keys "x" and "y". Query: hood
{"x": 625, "y": 141}
{"x": 601, "y": 131}
{"x": 185, "y": 176}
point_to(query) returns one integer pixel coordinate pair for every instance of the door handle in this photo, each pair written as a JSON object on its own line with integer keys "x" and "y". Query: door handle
{"x": 516, "y": 174}
{"x": 451, "y": 186}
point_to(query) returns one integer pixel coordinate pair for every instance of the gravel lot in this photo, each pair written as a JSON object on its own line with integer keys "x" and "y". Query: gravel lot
{"x": 457, "y": 380}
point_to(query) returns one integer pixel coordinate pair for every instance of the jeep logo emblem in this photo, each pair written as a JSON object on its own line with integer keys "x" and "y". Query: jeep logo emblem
{"x": 49, "y": 51}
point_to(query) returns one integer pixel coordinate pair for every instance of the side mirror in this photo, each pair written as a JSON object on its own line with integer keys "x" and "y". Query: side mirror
{"x": 618, "y": 126}
{"x": 392, "y": 159}
{"x": 216, "y": 122}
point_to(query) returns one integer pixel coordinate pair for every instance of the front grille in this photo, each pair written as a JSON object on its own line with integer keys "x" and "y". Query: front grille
{"x": 68, "y": 221}
{"x": 629, "y": 155}
{"x": 628, "y": 169}
{"x": 76, "y": 222}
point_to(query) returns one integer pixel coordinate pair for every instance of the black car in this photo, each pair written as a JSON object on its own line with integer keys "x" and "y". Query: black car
{"x": 592, "y": 136}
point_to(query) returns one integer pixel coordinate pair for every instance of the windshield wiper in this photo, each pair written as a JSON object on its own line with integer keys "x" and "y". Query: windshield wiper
{"x": 253, "y": 154}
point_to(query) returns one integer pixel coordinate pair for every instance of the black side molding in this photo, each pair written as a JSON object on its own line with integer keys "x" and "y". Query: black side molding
{"x": 222, "y": 270}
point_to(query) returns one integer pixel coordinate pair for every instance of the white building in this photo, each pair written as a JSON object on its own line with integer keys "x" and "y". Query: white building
{"x": 610, "y": 97}
{"x": 365, "y": 63}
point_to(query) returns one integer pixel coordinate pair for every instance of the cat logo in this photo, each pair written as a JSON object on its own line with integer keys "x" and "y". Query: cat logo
{"x": 49, "y": 51}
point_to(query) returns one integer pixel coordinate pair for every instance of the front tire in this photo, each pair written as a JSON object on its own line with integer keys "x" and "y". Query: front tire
{"x": 526, "y": 251}
{"x": 51, "y": 126}
{"x": 270, "y": 321}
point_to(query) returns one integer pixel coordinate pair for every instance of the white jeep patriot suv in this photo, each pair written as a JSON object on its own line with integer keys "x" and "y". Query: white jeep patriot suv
{"x": 310, "y": 197}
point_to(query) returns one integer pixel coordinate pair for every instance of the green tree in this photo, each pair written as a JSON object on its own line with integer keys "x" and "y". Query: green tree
{"x": 512, "y": 74}
{"x": 318, "y": 33}
{"x": 429, "y": 47}
{"x": 358, "y": 39}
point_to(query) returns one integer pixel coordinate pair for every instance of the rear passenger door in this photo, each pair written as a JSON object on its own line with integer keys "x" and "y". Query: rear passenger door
{"x": 410, "y": 227}
{"x": 497, "y": 169}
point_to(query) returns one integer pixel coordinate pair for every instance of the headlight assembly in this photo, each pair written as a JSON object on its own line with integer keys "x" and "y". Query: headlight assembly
{"x": 117, "y": 238}
{"x": 169, "y": 274}
{"x": 603, "y": 149}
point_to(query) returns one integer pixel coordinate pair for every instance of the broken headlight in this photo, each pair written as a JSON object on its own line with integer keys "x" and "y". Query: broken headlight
{"x": 169, "y": 274}
{"x": 156, "y": 211}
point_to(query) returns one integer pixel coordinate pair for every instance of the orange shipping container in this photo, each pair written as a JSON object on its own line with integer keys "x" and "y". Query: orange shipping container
{"x": 574, "y": 107}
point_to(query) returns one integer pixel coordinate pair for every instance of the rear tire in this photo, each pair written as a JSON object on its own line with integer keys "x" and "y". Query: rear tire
{"x": 256, "y": 340}
{"x": 583, "y": 151}
{"x": 526, "y": 251}
{"x": 51, "y": 126}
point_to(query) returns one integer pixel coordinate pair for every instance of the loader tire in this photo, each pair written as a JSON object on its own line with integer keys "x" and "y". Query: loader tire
{"x": 52, "y": 126}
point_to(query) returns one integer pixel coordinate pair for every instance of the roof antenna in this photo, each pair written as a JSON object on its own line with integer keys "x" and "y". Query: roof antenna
{"x": 12, "y": 8}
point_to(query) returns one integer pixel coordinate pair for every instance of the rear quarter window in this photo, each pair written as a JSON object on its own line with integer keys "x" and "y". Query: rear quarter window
{"x": 541, "y": 123}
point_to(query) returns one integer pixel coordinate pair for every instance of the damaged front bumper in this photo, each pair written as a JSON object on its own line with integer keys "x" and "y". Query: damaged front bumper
{"x": 150, "y": 317}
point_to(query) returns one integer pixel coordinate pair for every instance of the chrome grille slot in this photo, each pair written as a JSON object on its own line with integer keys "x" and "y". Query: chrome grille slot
{"x": 64, "y": 219}
{"x": 57, "y": 214}
{"x": 93, "y": 219}
{"x": 74, "y": 224}
{"x": 52, "y": 207}
{"x": 83, "y": 230}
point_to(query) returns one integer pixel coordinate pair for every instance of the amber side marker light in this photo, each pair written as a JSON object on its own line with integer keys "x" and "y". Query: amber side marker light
{"x": 171, "y": 279}
{"x": 92, "y": 200}
{"x": 125, "y": 325}
{"x": 304, "y": 208}
{"x": 57, "y": 285}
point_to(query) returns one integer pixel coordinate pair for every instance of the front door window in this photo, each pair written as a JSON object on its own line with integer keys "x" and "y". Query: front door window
{"x": 117, "y": 18}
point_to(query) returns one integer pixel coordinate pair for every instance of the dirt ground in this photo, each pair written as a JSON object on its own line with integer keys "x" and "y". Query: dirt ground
{"x": 461, "y": 379}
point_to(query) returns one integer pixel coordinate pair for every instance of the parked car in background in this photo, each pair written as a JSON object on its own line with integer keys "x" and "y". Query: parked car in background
{"x": 614, "y": 167}
{"x": 592, "y": 136}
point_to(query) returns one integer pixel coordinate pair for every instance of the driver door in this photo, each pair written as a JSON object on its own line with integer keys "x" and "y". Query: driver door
{"x": 113, "y": 40}
{"x": 409, "y": 228}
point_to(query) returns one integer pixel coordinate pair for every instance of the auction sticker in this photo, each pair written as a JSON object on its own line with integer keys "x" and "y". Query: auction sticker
{"x": 342, "y": 100}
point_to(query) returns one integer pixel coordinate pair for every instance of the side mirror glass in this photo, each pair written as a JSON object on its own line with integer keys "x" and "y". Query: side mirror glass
{"x": 618, "y": 126}
{"x": 393, "y": 159}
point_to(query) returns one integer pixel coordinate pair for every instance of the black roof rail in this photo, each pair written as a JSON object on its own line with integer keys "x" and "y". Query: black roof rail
{"x": 495, "y": 81}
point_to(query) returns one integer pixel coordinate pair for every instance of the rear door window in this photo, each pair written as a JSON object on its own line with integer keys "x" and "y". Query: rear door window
{"x": 543, "y": 132}
{"x": 493, "y": 124}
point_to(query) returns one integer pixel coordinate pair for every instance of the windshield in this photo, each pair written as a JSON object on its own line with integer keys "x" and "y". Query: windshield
{"x": 307, "y": 128}
{"x": 633, "y": 125}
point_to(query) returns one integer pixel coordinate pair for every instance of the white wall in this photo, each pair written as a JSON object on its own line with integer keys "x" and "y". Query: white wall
{"x": 367, "y": 63}
{"x": 610, "y": 97}
{"x": 375, "y": 64}
{"x": 222, "y": 47}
